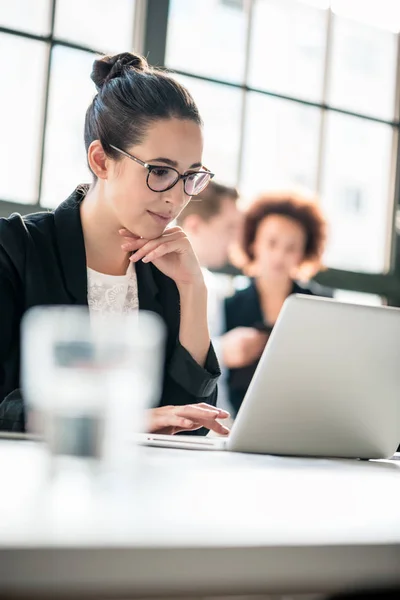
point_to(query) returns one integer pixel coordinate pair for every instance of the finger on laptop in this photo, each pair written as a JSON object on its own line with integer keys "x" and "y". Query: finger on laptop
{"x": 169, "y": 422}
{"x": 204, "y": 415}
{"x": 222, "y": 414}
{"x": 201, "y": 411}
{"x": 217, "y": 427}
{"x": 172, "y": 419}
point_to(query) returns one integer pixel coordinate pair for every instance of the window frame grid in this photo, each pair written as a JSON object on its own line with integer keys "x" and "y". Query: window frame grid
{"x": 154, "y": 17}
{"x": 51, "y": 40}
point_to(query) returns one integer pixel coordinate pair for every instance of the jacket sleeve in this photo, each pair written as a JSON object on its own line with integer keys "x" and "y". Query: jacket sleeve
{"x": 186, "y": 382}
{"x": 12, "y": 413}
{"x": 11, "y": 404}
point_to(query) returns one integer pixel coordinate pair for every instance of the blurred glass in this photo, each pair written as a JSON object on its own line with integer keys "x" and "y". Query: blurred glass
{"x": 87, "y": 380}
{"x": 220, "y": 107}
{"x": 287, "y": 49}
{"x": 359, "y": 298}
{"x": 208, "y": 38}
{"x": 71, "y": 91}
{"x": 280, "y": 146}
{"x": 26, "y": 15}
{"x": 363, "y": 69}
{"x": 104, "y": 25}
{"x": 356, "y": 193}
{"x": 23, "y": 69}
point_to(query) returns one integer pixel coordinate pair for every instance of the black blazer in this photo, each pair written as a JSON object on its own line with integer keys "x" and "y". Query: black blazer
{"x": 43, "y": 262}
{"x": 243, "y": 309}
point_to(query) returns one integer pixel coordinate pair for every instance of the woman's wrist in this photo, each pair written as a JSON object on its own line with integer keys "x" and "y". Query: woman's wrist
{"x": 193, "y": 331}
{"x": 195, "y": 290}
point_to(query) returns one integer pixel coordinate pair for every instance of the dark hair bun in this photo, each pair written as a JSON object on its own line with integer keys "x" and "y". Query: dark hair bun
{"x": 110, "y": 67}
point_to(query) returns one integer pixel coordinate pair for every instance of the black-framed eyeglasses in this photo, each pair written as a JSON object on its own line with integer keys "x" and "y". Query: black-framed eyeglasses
{"x": 161, "y": 179}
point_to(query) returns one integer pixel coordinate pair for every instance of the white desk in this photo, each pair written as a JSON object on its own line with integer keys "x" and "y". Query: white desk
{"x": 201, "y": 523}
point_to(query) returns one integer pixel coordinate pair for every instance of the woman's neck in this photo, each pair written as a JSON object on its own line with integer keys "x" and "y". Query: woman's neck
{"x": 274, "y": 287}
{"x": 102, "y": 240}
{"x": 272, "y": 293}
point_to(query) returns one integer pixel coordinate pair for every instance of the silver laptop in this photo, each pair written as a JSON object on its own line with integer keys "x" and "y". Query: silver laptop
{"x": 327, "y": 384}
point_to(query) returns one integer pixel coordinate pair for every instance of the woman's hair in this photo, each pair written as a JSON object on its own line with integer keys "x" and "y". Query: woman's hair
{"x": 130, "y": 96}
{"x": 303, "y": 210}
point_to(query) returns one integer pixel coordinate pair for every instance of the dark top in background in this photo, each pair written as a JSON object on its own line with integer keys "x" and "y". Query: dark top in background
{"x": 243, "y": 309}
{"x": 43, "y": 262}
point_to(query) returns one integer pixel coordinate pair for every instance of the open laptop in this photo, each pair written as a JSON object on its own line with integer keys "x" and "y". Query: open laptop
{"x": 327, "y": 384}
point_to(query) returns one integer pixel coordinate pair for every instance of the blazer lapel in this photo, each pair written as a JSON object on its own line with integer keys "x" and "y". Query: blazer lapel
{"x": 253, "y": 303}
{"x": 71, "y": 245}
{"x": 147, "y": 288}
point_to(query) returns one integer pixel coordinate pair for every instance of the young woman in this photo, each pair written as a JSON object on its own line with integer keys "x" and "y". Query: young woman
{"x": 281, "y": 234}
{"x": 109, "y": 245}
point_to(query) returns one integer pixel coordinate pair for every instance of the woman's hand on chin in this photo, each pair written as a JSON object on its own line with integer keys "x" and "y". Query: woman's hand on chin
{"x": 173, "y": 419}
{"x": 171, "y": 253}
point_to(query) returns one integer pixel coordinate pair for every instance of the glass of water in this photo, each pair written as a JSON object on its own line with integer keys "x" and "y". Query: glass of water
{"x": 87, "y": 382}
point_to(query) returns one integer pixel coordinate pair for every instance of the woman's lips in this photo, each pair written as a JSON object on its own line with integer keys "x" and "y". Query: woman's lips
{"x": 160, "y": 217}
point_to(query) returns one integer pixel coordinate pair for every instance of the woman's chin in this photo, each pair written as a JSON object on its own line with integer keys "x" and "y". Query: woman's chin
{"x": 146, "y": 231}
{"x": 151, "y": 233}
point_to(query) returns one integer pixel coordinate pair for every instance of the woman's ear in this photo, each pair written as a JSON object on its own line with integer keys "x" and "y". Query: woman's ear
{"x": 98, "y": 160}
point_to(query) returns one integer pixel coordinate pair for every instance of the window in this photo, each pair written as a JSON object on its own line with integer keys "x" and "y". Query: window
{"x": 363, "y": 69}
{"x": 25, "y": 15}
{"x": 356, "y": 193}
{"x": 280, "y": 145}
{"x": 208, "y": 38}
{"x": 20, "y": 119}
{"x": 45, "y": 65}
{"x": 64, "y": 164}
{"x": 96, "y": 23}
{"x": 287, "y": 48}
{"x": 294, "y": 93}
{"x": 221, "y": 134}
{"x": 318, "y": 80}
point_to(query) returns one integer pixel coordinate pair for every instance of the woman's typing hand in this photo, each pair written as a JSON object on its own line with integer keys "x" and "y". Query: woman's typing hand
{"x": 173, "y": 419}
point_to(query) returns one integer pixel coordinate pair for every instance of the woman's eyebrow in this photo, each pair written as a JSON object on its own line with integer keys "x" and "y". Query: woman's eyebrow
{"x": 171, "y": 162}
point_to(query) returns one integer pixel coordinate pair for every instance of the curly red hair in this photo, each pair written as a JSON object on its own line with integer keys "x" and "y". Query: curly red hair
{"x": 304, "y": 210}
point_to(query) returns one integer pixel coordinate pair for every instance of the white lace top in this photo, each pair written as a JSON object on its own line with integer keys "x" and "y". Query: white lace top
{"x": 114, "y": 294}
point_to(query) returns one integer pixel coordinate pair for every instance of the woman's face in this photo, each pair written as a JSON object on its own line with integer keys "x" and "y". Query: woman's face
{"x": 168, "y": 143}
{"x": 279, "y": 247}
